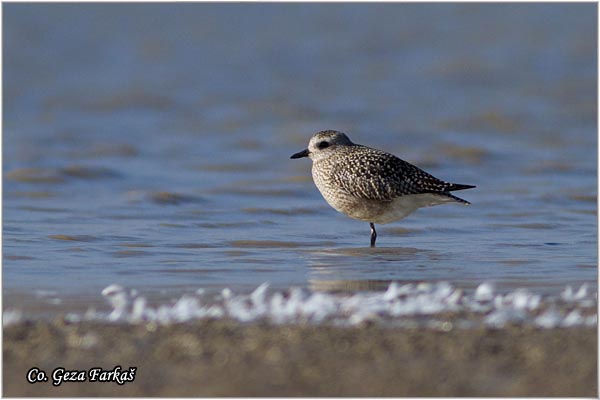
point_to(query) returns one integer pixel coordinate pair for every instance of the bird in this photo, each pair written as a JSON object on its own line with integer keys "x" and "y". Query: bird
{"x": 372, "y": 185}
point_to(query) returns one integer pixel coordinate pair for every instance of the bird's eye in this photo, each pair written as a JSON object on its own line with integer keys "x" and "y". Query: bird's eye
{"x": 323, "y": 144}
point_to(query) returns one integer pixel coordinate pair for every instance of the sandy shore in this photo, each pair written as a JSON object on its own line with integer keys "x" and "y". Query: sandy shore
{"x": 224, "y": 358}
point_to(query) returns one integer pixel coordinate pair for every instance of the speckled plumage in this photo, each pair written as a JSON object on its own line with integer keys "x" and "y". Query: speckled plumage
{"x": 369, "y": 184}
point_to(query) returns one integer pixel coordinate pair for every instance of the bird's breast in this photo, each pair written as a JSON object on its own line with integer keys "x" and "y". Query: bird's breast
{"x": 343, "y": 201}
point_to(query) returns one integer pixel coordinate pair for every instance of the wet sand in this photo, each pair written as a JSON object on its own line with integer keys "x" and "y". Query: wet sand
{"x": 224, "y": 358}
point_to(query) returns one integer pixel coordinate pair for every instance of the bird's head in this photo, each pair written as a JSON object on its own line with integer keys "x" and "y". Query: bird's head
{"x": 322, "y": 143}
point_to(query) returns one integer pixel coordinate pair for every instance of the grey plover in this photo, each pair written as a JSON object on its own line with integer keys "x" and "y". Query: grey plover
{"x": 369, "y": 184}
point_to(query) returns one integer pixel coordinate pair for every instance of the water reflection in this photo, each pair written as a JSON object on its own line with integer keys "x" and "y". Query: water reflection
{"x": 341, "y": 286}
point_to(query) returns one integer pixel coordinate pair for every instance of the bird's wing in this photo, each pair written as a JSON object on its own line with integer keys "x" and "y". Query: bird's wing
{"x": 383, "y": 176}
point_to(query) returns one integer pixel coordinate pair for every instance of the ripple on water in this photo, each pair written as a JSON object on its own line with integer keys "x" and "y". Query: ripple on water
{"x": 306, "y": 178}
{"x": 130, "y": 253}
{"x": 468, "y": 154}
{"x": 588, "y": 212}
{"x": 194, "y": 246}
{"x": 220, "y": 225}
{"x": 171, "y": 225}
{"x": 162, "y": 197}
{"x": 533, "y": 225}
{"x": 517, "y": 262}
{"x": 280, "y": 211}
{"x": 253, "y": 191}
{"x": 257, "y": 244}
{"x": 237, "y": 253}
{"x": 44, "y": 209}
{"x": 16, "y": 257}
{"x": 113, "y": 101}
{"x": 583, "y": 198}
{"x": 76, "y": 249}
{"x": 108, "y": 150}
{"x": 59, "y": 175}
{"x": 34, "y": 194}
{"x": 491, "y": 120}
{"x": 35, "y": 175}
{"x": 136, "y": 245}
{"x": 400, "y": 231}
{"x": 74, "y": 238}
{"x": 370, "y": 251}
{"x": 83, "y": 172}
{"x": 233, "y": 167}
{"x": 171, "y": 198}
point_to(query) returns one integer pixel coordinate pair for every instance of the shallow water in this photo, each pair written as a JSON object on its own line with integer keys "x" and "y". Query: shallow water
{"x": 156, "y": 155}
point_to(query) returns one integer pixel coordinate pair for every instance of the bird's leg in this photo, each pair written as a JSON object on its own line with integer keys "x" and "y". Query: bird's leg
{"x": 373, "y": 234}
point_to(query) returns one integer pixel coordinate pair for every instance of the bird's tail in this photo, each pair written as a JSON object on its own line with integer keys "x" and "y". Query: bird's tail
{"x": 458, "y": 199}
{"x": 458, "y": 186}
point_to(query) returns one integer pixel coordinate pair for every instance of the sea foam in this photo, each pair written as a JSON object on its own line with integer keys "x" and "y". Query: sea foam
{"x": 398, "y": 305}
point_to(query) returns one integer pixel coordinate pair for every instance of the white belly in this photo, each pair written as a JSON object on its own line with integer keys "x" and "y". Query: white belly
{"x": 403, "y": 206}
{"x": 380, "y": 212}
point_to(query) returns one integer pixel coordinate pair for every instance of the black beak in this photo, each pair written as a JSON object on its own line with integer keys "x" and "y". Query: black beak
{"x": 303, "y": 153}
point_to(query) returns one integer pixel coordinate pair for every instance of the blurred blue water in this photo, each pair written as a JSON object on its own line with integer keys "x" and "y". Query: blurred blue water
{"x": 148, "y": 144}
